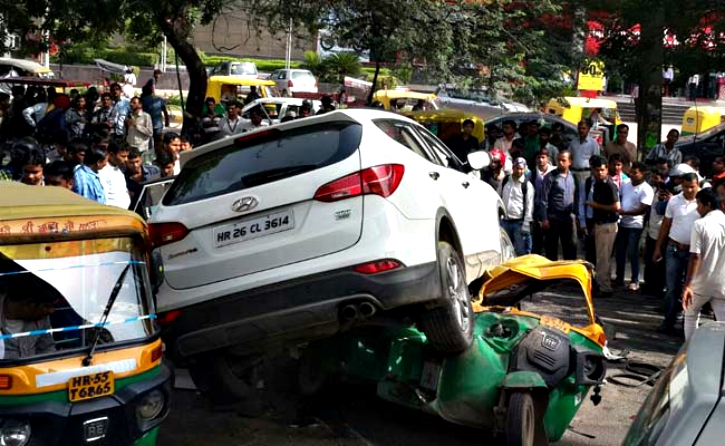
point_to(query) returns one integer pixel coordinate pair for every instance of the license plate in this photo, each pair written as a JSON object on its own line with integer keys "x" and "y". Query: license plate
{"x": 251, "y": 229}
{"x": 91, "y": 386}
{"x": 95, "y": 429}
{"x": 429, "y": 376}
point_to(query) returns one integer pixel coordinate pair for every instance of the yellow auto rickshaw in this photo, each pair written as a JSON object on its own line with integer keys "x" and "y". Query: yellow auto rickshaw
{"x": 447, "y": 122}
{"x": 80, "y": 353}
{"x": 405, "y": 100}
{"x": 603, "y": 112}
{"x": 228, "y": 88}
{"x": 698, "y": 119}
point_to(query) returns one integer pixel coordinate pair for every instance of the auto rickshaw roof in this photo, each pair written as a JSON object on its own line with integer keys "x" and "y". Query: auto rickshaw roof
{"x": 21, "y": 205}
{"x": 407, "y": 94}
{"x": 234, "y": 80}
{"x": 37, "y": 81}
{"x": 586, "y": 102}
{"x": 26, "y": 65}
{"x": 442, "y": 115}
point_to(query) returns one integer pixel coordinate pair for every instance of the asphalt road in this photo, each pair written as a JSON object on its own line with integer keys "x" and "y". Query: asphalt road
{"x": 349, "y": 414}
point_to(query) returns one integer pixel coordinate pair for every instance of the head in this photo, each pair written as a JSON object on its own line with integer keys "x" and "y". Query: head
{"x": 544, "y": 136}
{"x": 157, "y": 75}
{"x": 172, "y": 143}
{"x": 96, "y": 158}
{"x": 662, "y": 166}
{"x": 557, "y": 129}
{"x": 92, "y": 94}
{"x": 692, "y": 161}
{"x": 718, "y": 166}
{"x": 210, "y": 104}
{"x": 106, "y": 100}
{"x": 136, "y": 104}
{"x": 253, "y": 89}
{"x": 306, "y": 109}
{"x": 720, "y": 189}
{"x": 690, "y": 185}
{"x": 116, "y": 91}
{"x": 234, "y": 108}
{"x": 616, "y": 164}
{"x": 18, "y": 91}
{"x": 583, "y": 128}
{"x": 134, "y": 161}
{"x": 563, "y": 162}
{"x": 76, "y": 151}
{"x": 532, "y": 129}
{"x": 146, "y": 90}
{"x": 543, "y": 158}
{"x": 707, "y": 201}
{"x": 60, "y": 174}
{"x": 467, "y": 127}
{"x": 117, "y": 154}
{"x": 33, "y": 164}
{"x": 493, "y": 132}
{"x": 326, "y": 101}
{"x": 599, "y": 167}
{"x": 165, "y": 162}
{"x": 498, "y": 159}
{"x": 672, "y": 136}
{"x": 79, "y": 102}
{"x": 73, "y": 93}
{"x": 518, "y": 168}
{"x": 509, "y": 128}
{"x": 256, "y": 116}
{"x": 655, "y": 178}
{"x": 25, "y": 302}
{"x": 622, "y": 133}
{"x": 638, "y": 173}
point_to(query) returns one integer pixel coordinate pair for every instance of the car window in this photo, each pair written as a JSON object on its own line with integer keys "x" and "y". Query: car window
{"x": 441, "y": 152}
{"x": 301, "y": 74}
{"x": 406, "y": 135}
{"x": 244, "y": 68}
{"x": 282, "y": 75}
{"x": 262, "y": 158}
{"x": 151, "y": 197}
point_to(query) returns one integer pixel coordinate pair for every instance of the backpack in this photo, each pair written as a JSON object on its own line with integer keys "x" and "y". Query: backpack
{"x": 524, "y": 188}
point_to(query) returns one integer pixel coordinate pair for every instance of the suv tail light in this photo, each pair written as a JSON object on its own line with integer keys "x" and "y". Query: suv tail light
{"x": 165, "y": 233}
{"x": 380, "y": 180}
{"x": 378, "y": 266}
{"x": 290, "y": 84}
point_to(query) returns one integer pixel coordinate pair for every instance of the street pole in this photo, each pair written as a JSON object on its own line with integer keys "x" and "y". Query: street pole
{"x": 164, "y": 54}
{"x": 288, "y": 54}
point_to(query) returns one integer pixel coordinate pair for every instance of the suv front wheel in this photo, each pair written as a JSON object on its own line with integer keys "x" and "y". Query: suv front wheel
{"x": 449, "y": 327}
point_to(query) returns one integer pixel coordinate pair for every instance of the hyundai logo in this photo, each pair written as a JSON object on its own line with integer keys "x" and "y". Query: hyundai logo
{"x": 245, "y": 204}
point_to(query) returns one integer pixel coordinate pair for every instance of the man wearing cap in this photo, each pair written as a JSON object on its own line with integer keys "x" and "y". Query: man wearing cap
{"x": 494, "y": 175}
{"x": 582, "y": 149}
{"x": 680, "y": 216}
{"x": 517, "y": 194}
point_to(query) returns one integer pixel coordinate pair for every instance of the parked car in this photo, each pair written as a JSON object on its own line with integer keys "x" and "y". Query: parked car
{"x": 277, "y": 108}
{"x": 294, "y": 81}
{"x": 309, "y": 227}
{"x": 685, "y": 407}
{"x": 236, "y": 69}
{"x": 706, "y": 146}
{"x": 477, "y": 101}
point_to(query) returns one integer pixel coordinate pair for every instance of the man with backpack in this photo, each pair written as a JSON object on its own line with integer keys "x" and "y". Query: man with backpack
{"x": 517, "y": 194}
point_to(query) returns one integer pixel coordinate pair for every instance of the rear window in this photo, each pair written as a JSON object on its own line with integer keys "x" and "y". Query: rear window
{"x": 269, "y": 157}
{"x": 243, "y": 68}
{"x": 301, "y": 74}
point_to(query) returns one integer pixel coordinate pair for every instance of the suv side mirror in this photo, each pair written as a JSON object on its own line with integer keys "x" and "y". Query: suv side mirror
{"x": 479, "y": 160}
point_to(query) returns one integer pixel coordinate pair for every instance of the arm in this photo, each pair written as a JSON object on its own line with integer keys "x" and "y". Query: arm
{"x": 529, "y": 216}
{"x": 165, "y": 113}
{"x": 544, "y": 203}
{"x": 582, "y": 206}
{"x": 662, "y": 238}
{"x": 28, "y": 114}
{"x": 614, "y": 207}
{"x": 641, "y": 210}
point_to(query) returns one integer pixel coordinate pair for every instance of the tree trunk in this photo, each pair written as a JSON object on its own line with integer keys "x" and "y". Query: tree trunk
{"x": 375, "y": 83}
{"x": 194, "y": 68}
{"x": 649, "y": 103}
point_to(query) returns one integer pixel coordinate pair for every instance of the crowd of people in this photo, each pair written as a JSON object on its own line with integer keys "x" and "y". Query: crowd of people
{"x": 602, "y": 202}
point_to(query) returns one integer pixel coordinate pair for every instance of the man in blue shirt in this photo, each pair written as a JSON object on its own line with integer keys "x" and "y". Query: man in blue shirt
{"x": 87, "y": 182}
{"x": 156, "y": 108}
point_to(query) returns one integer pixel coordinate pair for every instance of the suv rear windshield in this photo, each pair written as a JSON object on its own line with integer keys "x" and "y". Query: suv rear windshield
{"x": 271, "y": 156}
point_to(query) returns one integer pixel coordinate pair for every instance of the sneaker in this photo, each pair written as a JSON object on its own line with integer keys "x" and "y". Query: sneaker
{"x": 633, "y": 286}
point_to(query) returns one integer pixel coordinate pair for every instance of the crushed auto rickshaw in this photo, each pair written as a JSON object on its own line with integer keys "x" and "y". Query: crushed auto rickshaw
{"x": 526, "y": 374}
{"x": 80, "y": 354}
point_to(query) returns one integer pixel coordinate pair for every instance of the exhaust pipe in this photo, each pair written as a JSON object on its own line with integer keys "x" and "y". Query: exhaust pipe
{"x": 367, "y": 310}
{"x": 349, "y": 313}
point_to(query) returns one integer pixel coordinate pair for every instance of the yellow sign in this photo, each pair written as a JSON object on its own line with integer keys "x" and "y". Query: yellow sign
{"x": 591, "y": 76}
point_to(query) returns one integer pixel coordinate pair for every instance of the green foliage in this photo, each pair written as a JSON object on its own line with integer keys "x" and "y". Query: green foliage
{"x": 82, "y": 54}
{"x": 313, "y": 62}
{"x": 338, "y": 65}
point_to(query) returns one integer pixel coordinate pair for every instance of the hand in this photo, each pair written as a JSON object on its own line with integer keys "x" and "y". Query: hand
{"x": 545, "y": 225}
{"x": 657, "y": 256}
{"x": 687, "y": 296}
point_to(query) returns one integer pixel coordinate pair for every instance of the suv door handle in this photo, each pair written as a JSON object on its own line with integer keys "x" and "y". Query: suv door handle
{"x": 465, "y": 184}
{"x": 434, "y": 175}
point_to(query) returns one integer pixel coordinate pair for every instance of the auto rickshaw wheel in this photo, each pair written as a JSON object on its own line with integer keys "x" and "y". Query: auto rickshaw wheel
{"x": 520, "y": 420}
{"x": 449, "y": 327}
{"x": 226, "y": 378}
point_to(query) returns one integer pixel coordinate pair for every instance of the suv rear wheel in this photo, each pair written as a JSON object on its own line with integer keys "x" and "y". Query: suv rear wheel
{"x": 449, "y": 327}
{"x": 226, "y": 378}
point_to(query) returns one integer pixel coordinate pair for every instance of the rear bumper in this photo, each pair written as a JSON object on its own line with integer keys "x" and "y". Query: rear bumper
{"x": 294, "y": 311}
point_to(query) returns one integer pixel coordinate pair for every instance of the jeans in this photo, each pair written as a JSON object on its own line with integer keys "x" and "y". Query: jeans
{"x": 677, "y": 260}
{"x": 692, "y": 314}
{"x": 654, "y": 272}
{"x": 604, "y": 236}
{"x": 520, "y": 239}
{"x": 628, "y": 247}
{"x": 561, "y": 228}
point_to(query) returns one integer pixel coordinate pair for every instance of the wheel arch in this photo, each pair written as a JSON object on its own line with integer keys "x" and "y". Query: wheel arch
{"x": 446, "y": 231}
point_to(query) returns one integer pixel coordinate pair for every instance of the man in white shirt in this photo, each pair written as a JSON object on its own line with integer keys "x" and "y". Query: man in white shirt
{"x": 139, "y": 126}
{"x": 705, "y": 279}
{"x": 582, "y": 149}
{"x": 517, "y": 194}
{"x": 505, "y": 142}
{"x": 654, "y": 272}
{"x": 680, "y": 216}
{"x": 232, "y": 123}
{"x": 112, "y": 178}
{"x": 637, "y": 197}
{"x": 256, "y": 120}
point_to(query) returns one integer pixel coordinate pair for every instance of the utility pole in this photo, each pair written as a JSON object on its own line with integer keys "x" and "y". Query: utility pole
{"x": 288, "y": 53}
{"x": 164, "y": 54}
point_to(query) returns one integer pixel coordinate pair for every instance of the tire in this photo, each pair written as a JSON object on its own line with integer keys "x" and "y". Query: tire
{"x": 449, "y": 327}
{"x": 520, "y": 420}
{"x": 225, "y": 378}
{"x": 312, "y": 376}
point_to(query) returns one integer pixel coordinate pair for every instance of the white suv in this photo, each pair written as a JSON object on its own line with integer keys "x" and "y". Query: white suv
{"x": 294, "y": 81}
{"x": 302, "y": 229}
